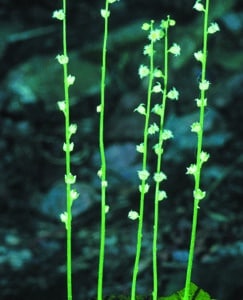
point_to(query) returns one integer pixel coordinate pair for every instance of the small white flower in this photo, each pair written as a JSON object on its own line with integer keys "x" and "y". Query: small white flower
{"x": 104, "y": 183}
{"x": 70, "y": 80}
{"x": 199, "y": 102}
{"x": 157, "y": 109}
{"x": 175, "y": 49}
{"x": 155, "y": 35}
{"x": 62, "y": 59}
{"x": 72, "y": 129}
{"x": 74, "y": 194}
{"x": 157, "y": 149}
{"x": 191, "y": 170}
{"x": 196, "y": 127}
{"x": 143, "y": 174}
{"x": 107, "y": 208}
{"x": 158, "y": 177}
{"x": 198, "y": 6}
{"x": 146, "y": 188}
{"x": 167, "y": 134}
{"x": 153, "y": 128}
{"x": 143, "y": 71}
{"x": 141, "y": 109}
{"x": 64, "y": 218}
{"x": 204, "y": 85}
{"x": 98, "y": 108}
{"x": 162, "y": 195}
{"x": 172, "y": 22}
{"x": 105, "y": 13}
{"x": 157, "y": 88}
{"x": 145, "y": 26}
{"x": 214, "y": 27}
{"x": 133, "y": 215}
{"x": 158, "y": 73}
{"x": 173, "y": 94}
{"x": 140, "y": 148}
{"x": 61, "y": 105}
{"x": 70, "y": 179}
{"x": 148, "y": 50}
{"x": 59, "y": 14}
{"x": 66, "y": 148}
{"x": 198, "y": 55}
{"x": 199, "y": 194}
{"x": 204, "y": 156}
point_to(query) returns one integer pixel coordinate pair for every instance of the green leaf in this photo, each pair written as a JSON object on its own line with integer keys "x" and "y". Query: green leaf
{"x": 196, "y": 293}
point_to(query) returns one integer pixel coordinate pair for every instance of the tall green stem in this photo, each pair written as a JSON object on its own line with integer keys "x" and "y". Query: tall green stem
{"x": 144, "y": 167}
{"x": 198, "y": 158}
{"x": 67, "y": 158}
{"x": 158, "y": 167}
{"x": 102, "y": 155}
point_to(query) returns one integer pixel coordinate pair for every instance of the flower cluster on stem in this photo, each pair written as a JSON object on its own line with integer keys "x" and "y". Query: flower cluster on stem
{"x": 198, "y": 128}
{"x": 157, "y": 84}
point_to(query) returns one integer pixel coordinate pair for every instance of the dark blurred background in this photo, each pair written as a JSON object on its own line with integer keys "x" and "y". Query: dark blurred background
{"x": 32, "y": 239}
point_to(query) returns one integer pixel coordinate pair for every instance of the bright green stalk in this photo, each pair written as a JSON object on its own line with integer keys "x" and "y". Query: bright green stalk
{"x": 68, "y": 159}
{"x": 158, "y": 167}
{"x": 144, "y": 167}
{"x": 101, "y": 109}
{"x": 160, "y": 110}
{"x": 70, "y": 129}
{"x": 197, "y": 175}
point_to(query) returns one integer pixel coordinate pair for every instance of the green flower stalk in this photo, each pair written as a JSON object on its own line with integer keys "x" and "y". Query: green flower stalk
{"x": 164, "y": 134}
{"x": 70, "y": 129}
{"x": 105, "y": 13}
{"x": 143, "y": 174}
{"x": 198, "y": 128}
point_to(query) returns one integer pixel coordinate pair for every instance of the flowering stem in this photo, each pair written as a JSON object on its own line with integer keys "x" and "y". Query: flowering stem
{"x": 158, "y": 167}
{"x": 144, "y": 167}
{"x": 67, "y": 159}
{"x": 102, "y": 155}
{"x": 66, "y": 217}
{"x": 197, "y": 175}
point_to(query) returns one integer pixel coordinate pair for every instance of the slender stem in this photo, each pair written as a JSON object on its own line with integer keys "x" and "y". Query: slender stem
{"x": 103, "y": 159}
{"x": 198, "y": 160}
{"x": 158, "y": 168}
{"x": 67, "y": 158}
{"x": 143, "y": 182}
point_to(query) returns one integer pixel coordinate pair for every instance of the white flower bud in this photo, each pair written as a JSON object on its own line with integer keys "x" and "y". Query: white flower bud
{"x": 143, "y": 71}
{"x": 62, "y": 59}
{"x": 133, "y": 215}
{"x": 191, "y": 170}
{"x": 58, "y": 14}
{"x": 196, "y": 127}
{"x": 146, "y": 188}
{"x": 158, "y": 177}
{"x": 173, "y": 94}
{"x": 162, "y": 195}
{"x": 175, "y": 49}
{"x": 198, "y": 6}
{"x": 70, "y": 179}
{"x": 105, "y": 13}
{"x": 70, "y": 148}
{"x": 198, "y": 55}
{"x": 143, "y": 174}
{"x": 70, "y": 80}
{"x": 204, "y": 85}
{"x": 140, "y": 148}
{"x": 199, "y": 194}
{"x": 141, "y": 109}
{"x": 214, "y": 27}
